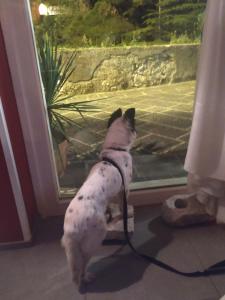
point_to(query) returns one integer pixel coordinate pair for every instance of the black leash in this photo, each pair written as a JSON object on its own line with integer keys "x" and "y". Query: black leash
{"x": 216, "y": 269}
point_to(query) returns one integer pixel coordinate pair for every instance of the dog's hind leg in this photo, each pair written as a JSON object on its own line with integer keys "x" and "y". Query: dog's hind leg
{"x": 91, "y": 244}
{"x": 76, "y": 259}
{"x": 87, "y": 277}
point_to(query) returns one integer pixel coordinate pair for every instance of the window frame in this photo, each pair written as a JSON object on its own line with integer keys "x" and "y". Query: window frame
{"x": 22, "y": 57}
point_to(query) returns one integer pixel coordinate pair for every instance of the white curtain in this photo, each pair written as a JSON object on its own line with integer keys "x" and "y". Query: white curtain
{"x": 206, "y": 150}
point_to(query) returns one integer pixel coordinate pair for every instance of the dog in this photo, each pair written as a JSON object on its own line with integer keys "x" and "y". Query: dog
{"x": 85, "y": 222}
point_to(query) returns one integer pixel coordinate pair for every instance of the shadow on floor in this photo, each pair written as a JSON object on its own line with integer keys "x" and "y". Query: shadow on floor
{"x": 121, "y": 270}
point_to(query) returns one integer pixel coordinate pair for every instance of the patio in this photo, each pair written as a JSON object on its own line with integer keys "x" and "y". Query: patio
{"x": 163, "y": 121}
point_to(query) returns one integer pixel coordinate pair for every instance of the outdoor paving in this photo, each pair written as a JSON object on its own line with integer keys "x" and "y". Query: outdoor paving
{"x": 163, "y": 122}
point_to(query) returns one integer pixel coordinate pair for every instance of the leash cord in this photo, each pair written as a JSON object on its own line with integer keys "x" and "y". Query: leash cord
{"x": 216, "y": 269}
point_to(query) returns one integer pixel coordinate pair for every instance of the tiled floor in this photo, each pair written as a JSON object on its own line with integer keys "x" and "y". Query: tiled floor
{"x": 41, "y": 272}
{"x": 163, "y": 118}
{"x": 162, "y": 112}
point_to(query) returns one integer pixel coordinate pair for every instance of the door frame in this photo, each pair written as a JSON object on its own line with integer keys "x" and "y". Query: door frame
{"x": 5, "y": 143}
{"x": 22, "y": 57}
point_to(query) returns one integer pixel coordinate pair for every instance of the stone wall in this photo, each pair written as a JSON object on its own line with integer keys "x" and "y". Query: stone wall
{"x": 109, "y": 69}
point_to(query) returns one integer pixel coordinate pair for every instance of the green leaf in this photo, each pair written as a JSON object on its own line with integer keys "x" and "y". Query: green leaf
{"x": 55, "y": 71}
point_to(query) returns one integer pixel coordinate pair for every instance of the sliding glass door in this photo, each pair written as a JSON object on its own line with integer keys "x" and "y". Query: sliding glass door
{"x": 97, "y": 56}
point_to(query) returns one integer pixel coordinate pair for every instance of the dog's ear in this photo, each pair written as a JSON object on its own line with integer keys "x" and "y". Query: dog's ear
{"x": 129, "y": 115}
{"x": 115, "y": 115}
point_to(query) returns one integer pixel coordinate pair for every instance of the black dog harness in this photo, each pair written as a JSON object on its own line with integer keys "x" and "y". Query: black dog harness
{"x": 216, "y": 269}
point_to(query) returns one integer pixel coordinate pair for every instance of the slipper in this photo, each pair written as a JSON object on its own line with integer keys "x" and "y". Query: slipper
{"x": 184, "y": 210}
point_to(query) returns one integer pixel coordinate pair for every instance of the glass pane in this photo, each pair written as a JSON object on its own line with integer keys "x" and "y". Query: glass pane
{"x": 118, "y": 53}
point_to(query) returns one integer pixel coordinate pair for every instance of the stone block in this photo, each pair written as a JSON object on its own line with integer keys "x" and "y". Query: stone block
{"x": 109, "y": 69}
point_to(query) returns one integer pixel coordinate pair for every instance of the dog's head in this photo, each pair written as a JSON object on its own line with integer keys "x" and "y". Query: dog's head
{"x": 121, "y": 129}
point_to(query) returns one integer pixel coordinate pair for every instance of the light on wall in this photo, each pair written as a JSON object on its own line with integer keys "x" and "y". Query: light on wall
{"x": 43, "y": 10}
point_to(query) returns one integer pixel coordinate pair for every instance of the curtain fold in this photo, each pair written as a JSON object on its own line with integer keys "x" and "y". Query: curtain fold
{"x": 206, "y": 149}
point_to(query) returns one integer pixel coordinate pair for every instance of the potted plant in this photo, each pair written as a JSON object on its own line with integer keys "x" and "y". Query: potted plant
{"x": 55, "y": 72}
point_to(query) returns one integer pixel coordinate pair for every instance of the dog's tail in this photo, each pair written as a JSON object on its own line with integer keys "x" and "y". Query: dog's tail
{"x": 75, "y": 258}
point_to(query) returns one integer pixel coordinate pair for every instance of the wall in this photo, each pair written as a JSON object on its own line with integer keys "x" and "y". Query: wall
{"x": 109, "y": 69}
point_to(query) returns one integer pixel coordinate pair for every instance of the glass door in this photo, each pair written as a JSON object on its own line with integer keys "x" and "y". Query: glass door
{"x": 96, "y": 56}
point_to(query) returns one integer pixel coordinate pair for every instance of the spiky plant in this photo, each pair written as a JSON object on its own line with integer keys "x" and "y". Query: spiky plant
{"x": 55, "y": 72}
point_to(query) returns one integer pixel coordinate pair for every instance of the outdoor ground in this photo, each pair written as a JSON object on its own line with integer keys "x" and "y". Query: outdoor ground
{"x": 163, "y": 121}
{"x": 40, "y": 272}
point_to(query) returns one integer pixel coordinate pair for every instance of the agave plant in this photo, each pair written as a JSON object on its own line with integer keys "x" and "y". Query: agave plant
{"x": 55, "y": 72}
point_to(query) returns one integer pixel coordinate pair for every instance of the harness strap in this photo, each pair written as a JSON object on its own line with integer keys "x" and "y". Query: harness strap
{"x": 216, "y": 269}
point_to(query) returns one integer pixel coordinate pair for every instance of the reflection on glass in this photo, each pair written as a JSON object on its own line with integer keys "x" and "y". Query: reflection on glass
{"x": 98, "y": 55}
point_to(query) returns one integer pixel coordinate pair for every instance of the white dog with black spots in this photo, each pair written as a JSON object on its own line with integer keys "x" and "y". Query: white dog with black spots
{"x": 85, "y": 222}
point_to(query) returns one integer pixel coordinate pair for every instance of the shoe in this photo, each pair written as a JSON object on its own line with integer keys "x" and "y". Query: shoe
{"x": 184, "y": 210}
